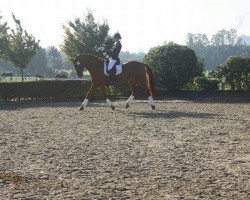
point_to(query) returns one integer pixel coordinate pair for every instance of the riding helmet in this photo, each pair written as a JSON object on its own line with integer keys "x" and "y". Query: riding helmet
{"x": 117, "y": 35}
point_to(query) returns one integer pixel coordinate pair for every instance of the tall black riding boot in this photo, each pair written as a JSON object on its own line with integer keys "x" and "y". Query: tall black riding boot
{"x": 112, "y": 76}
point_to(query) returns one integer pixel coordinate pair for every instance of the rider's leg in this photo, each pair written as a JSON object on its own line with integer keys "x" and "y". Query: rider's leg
{"x": 111, "y": 64}
{"x": 112, "y": 71}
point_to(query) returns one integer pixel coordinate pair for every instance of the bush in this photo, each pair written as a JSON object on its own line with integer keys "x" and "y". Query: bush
{"x": 173, "y": 65}
{"x": 7, "y": 74}
{"x": 236, "y": 72}
{"x": 202, "y": 83}
{"x": 61, "y": 76}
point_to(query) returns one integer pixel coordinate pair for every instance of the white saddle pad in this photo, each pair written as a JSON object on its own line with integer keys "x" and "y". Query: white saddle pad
{"x": 118, "y": 67}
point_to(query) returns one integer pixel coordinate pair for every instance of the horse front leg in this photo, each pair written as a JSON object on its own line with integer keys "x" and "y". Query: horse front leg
{"x": 104, "y": 95}
{"x": 89, "y": 94}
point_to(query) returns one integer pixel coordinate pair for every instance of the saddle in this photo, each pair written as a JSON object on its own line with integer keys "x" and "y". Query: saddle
{"x": 112, "y": 68}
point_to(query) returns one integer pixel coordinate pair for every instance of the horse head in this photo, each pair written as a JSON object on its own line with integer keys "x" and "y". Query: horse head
{"x": 78, "y": 64}
{"x": 85, "y": 62}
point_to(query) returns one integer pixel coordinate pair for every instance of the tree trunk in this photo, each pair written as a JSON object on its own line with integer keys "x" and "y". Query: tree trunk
{"x": 22, "y": 73}
{"x": 232, "y": 86}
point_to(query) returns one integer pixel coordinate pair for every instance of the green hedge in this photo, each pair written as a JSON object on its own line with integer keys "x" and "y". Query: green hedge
{"x": 45, "y": 90}
{"x": 54, "y": 90}
{"x": 76, "y": 90}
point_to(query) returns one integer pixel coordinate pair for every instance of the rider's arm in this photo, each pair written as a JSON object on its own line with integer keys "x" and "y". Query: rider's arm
{"x": 118, "y": 48}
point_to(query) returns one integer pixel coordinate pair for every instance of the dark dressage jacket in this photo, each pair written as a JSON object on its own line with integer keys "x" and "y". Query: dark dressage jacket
{"x": 114, "y": 51}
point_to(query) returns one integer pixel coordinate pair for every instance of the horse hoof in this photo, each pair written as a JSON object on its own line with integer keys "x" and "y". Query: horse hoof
{"x": 153, "y": 107}
{"x": 113, "y": 107}
{"x": 81, "y": 107}
{"x": 127, "y": 105}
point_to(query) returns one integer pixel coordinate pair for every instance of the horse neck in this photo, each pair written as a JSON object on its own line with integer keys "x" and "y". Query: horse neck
{"x": 93, "y": 63}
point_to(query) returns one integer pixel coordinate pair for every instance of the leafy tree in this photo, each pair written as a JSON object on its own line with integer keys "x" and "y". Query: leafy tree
{"x": 49, "y": 73}
{"x": 197, "y": 40}
{"x": 224, "y": 37}
{"x": 223, "y": 44}
{"x": 38, "y": 64}
{"x": 4, "y": 40}
{"x": 86, "y": 36}
{"x": 127, "y": 56}
{"x": 22, "y": 47}
{"x": 236, "y": 72}
{"x": 203, "y": 83}
{"x": 173, "y": 65}
{"x": 54, "y": 58}
{"x": 67, "y": 64}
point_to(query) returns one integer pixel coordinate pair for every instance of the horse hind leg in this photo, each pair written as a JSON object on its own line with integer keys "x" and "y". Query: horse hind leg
{"x": 133, "y": 88}
{"x": 145, "y": 86}
{"x": 151, "y": 102}
{"x": 104, "y": 95}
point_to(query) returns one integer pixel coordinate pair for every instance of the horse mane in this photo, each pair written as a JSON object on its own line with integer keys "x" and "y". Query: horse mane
{"x": 90, "y": 55}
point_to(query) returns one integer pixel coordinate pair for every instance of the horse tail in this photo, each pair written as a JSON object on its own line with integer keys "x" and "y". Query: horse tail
{"x": 151, "y": 81}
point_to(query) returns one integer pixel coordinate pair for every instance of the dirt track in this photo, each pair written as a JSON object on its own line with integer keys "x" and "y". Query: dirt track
{"x": 182, "y": 150}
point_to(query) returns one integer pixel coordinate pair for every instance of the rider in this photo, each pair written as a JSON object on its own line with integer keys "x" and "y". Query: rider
{"x": 114, "y": 54}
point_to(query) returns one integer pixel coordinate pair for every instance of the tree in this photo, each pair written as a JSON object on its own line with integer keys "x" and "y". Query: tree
{"x": 236, "y": 72}
{"x": 54, "y": 58}
{"x": 199, "y": 43}
{"x": 224, "y": 37}
{"x": 203, "y": 83}
{"x": 22, "y": 47}
{"x": 127, "y": 56}
{"x": 38, "y": 64}
{"x": 173, "y": 65}
{"x": 223, "y": 44}
{"x": 3, "y": 38}
{"x": 86, "y": 37}
{"x": 197, "y": 40}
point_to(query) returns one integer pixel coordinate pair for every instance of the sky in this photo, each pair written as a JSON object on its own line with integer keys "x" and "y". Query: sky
{"x": 143, "y": 24}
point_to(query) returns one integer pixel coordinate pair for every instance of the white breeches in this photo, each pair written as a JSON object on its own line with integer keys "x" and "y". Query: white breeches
{"x": 111, "y": 64}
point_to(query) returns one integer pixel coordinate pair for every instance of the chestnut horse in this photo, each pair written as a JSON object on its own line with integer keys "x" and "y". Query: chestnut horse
{"x": 133, "y": 72}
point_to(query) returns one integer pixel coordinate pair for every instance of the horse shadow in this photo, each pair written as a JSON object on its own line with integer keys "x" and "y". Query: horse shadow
{"x": 20, "y": 105}
{"x": 163, "y": 114}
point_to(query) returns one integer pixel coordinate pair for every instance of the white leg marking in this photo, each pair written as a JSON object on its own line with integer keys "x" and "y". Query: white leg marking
{"x": 151, "y": 101}
{"x": 109, "y": 102}
{"x": 130, "y": 100}
{"x": 85, "y": 102}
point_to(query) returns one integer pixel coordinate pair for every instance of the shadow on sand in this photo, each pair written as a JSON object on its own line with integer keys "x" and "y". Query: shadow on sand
{"x": 172, "y": 114}
{"x": 36, "y": 104}
{"x": 19, "y": 105}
